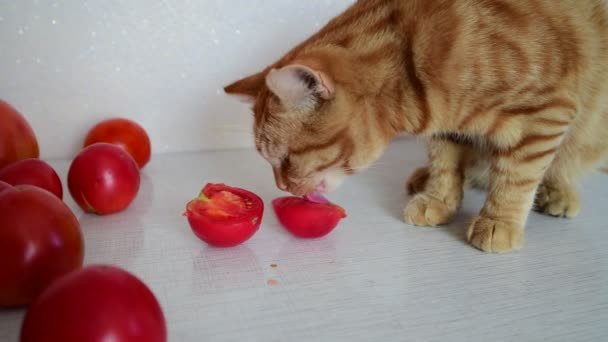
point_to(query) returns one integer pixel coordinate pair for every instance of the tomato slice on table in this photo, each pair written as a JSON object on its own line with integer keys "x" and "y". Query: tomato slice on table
{"x": 311, "y": 216}
{"x": 225, "y": 216}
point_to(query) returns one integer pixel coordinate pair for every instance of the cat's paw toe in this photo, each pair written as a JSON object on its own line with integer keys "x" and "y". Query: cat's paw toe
{"x": 425, "y": 210}
{"x": 495, "y": 236}
{"x": 417, "y": 181}
{"x": 555, "y": 201}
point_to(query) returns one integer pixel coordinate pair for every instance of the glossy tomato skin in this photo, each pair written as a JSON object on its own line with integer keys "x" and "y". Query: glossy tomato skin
{"x": 17, "y": 139}
{"x": 103, "y": 179}
{"x": 307, "y": 219}
{"x": 95, "y": 304}
{"x": 33, "y": 172}
{"x": 226, "y": 232}
{"x": 40, "y": 241}
{"x": 4, "y": 186}
{"x": 125, "y": 133}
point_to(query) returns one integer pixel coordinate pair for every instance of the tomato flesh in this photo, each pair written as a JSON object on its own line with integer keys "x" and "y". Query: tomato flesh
{"x": 225, "y": 216}
{"x": 308, "y": 218}
{"x": 97, "y": 303}
{"x": 33, "y": 172}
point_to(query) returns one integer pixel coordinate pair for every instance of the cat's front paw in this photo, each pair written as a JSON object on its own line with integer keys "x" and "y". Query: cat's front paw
{"x": 556, "y": 201}
{"x": 495, "y": 236}
{"x": 425, "y": 210}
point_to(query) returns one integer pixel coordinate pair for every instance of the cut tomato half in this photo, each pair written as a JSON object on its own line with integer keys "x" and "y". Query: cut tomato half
{"x": 225, "y": 216}
{"x": 310, "y": 217}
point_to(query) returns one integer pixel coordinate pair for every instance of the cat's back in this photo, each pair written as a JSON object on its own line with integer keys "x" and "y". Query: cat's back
{"x": 549, "y": 39}
{"x": 496, "y": 54}
{"x": 582, "y": 17}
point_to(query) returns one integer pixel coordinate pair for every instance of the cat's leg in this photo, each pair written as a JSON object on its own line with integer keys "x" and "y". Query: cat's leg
{"x": 514, "y": 178}
{"x": 557, "y": 194}
{"x": 438, "y": 188}
{"x": 475, "y": 166}
{"x": 417, "y": 181}
{"x": 557, "y": 197}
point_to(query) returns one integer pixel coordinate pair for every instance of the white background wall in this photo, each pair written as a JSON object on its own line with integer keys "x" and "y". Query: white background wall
{"x": 68, "y": 64}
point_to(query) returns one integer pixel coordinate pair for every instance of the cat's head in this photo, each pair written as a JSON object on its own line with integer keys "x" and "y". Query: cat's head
{"x": 309, "y": 125}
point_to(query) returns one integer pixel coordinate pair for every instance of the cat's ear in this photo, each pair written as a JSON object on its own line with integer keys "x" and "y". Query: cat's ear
{"x": 247, "y": 88}
{"x": 300, "y": 87}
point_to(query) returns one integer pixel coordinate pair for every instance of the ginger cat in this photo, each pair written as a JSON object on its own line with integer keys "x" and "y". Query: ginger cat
{"x": 512, "y": 96}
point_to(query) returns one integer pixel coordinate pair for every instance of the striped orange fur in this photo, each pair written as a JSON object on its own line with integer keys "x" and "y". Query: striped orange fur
{"x": 512, "y": 95}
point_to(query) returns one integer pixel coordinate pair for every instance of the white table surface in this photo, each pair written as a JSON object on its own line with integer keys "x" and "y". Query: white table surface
{"x": 374, "y": 278}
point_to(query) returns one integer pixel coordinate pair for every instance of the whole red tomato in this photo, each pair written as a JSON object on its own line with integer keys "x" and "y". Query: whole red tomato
{"x": 17, "y": 139}
{"x": 33, "y": 172}
{"x": 103, "y": 179}
{"x": 97, "y": 303}
{"x": 4, "y": 186}
{"x": 40, "y": 240}
{"x": 308, "y": 218}
{"x": 225, "y": 216}
{"x": 125, "y": 133}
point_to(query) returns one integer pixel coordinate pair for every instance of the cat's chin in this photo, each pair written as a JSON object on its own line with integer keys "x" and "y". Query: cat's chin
{"x": 331, "y": 181}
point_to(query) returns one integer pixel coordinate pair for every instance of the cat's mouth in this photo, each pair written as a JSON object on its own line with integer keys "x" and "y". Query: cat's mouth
{"x": 322, "y": 187}
{"x": 323, "y": 184}
{"x": 307, "y": 189}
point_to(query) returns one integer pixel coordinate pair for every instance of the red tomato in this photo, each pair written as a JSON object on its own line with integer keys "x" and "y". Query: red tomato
{"x": 125, "y": 133}
{"x": 33, "y": 172}
{"x": 40, "y": 241}
{"x": 103, "y": 179}
{"x": 4, "y": 186}
{"x": 305, "y": 218}
{"x": 95, "y": 304}
{"x": 225, "y": 216}
{"x": 17, "y": 139}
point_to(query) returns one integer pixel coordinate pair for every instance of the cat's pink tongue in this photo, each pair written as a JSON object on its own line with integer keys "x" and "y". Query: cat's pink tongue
{"x": 316, "y": 197}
